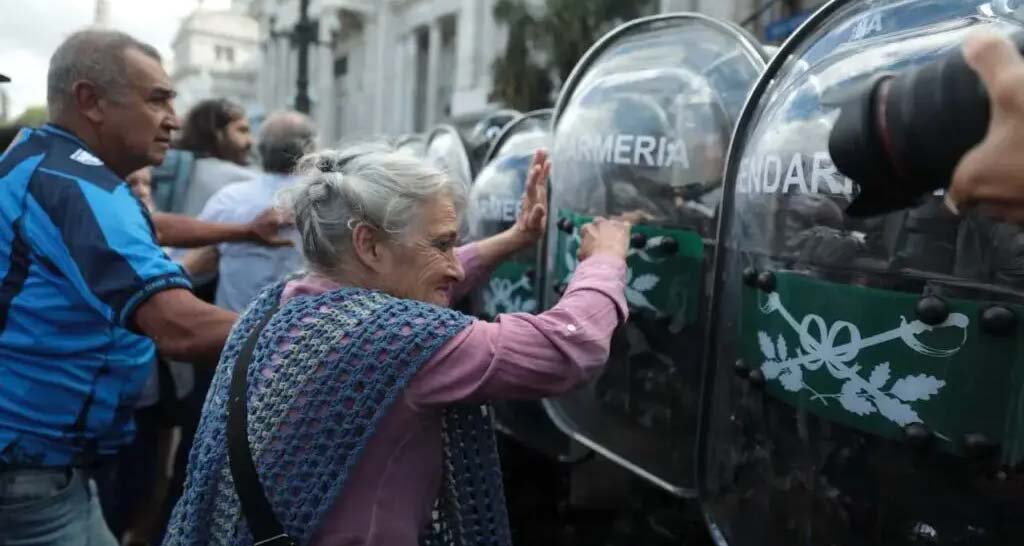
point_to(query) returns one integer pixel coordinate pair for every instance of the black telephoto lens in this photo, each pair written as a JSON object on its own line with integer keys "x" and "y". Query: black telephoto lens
{"x": 902, "y": 136}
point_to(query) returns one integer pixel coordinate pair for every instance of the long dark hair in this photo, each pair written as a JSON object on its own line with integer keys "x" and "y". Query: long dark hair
{"x": 199, "y": 133}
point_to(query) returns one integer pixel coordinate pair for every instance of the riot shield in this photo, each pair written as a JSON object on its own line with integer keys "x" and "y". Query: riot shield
{"x": 641, "y": 129}
{"x": 865, "y": 381}
{"x": 446, "y": 150}
{"x": 493, "y": 207}
{"x": 481, "y": 139}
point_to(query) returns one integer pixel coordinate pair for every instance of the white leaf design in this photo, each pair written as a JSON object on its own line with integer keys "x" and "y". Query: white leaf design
{"x": 638, "y": 299}
{"x": 529, "y": 306}
{"x": 767, "y": 349}
{"x": 792, "y": 379}
{"x": 851, "y": 399}
{"x": 771, "y": 369}
{"x": 643, "y": 283}
{"x": 917, "y": 387}
{"x": 880, "y": 375}
{"x": 783, "y": 350}
{"x": 902, "y": 414}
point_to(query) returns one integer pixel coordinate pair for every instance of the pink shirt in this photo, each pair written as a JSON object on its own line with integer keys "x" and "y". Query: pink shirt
{"x": 388, "y": 499}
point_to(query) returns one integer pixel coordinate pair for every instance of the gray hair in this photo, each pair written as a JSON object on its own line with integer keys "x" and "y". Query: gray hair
{"x": 284, "y": 138}
{"x": 92, "y": 55}
{"x": 373, "y": 184}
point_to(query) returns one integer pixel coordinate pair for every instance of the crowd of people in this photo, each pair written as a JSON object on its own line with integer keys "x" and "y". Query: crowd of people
{"x": 293, "y": 321}
{"x": 117, "y": 218}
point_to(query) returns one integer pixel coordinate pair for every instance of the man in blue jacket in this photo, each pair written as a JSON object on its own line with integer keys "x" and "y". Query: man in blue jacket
{"x": 86, "y": 293}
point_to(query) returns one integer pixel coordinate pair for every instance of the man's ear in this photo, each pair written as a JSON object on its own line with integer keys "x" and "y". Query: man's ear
{"x": 369, "y": 249}
{"x": 88, "y": 100}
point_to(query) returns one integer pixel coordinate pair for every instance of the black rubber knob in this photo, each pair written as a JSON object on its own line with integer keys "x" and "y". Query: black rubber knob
{"x": 917, "y": 435}
{"x": 977, "y": 445}
{"x": 565, "y": 224}
{"x": 638, "y": 240}
{"x": 766, "y": 281}
{"x": 932, "y": 310}
{"x": 750, "y": 277}
{"x": 756, "y": 378}
{"x": 998, "y": 321}
{"x": 741, "y": 368}
{"x": 668, "y": 246}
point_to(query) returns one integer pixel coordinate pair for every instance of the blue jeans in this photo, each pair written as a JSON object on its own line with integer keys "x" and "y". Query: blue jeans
{"x": 56, "y": 507}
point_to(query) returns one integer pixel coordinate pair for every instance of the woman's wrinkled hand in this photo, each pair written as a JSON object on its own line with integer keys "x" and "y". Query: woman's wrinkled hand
{"x": 604, "y": 236}
{"x": 533, "y": 213}
{"x": 991, "y": 175}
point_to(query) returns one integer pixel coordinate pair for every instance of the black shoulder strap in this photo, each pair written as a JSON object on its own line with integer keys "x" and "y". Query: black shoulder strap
{"x": 265, "y": 527}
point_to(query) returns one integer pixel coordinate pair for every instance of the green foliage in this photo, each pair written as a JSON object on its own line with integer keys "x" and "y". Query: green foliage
{"x": 33, "y": 116}
{"x": 561, "y": 33}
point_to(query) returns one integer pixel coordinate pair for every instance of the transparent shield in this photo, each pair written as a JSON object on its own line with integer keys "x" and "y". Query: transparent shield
{"x": 868, "y": 373}
{"x": 446, "y": 150}
{"x": 494, "y": 205}
{"x": 641, "y": 130}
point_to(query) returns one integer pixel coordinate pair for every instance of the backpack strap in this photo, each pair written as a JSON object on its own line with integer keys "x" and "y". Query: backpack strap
{"x": 265, "y": 527}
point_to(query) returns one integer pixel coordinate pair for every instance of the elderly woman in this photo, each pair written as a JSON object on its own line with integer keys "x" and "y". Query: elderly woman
{"x": 360, "y": 374}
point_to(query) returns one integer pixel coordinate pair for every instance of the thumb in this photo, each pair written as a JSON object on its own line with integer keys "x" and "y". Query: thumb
{"x": 960, "y": 194}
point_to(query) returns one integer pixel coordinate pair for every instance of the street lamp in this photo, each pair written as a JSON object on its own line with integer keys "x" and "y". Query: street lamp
{"x": 302, "y": 35}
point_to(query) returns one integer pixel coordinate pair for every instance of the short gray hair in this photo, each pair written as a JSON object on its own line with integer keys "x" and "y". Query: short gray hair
{"x": 374, "y": 184}
{"x": 284, "y": 138}
{"x": 93, "y": 55}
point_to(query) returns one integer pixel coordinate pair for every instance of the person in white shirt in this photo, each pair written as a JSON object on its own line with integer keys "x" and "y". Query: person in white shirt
{"x": 246, "y": 268}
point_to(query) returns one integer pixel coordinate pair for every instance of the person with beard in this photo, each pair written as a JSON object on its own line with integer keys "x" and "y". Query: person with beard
{"x": 217, "y": 132}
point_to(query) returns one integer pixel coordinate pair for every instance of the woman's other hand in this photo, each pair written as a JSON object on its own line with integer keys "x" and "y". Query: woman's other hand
{"x": 604, "y": 236}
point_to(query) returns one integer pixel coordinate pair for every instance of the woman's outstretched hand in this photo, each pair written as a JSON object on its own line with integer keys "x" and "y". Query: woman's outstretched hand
{"x": 533, "y": 213}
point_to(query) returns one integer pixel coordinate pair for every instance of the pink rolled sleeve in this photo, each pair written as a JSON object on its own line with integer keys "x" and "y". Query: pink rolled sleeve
{"x": 527, "y": 356}
{"x": 476, "y": 272}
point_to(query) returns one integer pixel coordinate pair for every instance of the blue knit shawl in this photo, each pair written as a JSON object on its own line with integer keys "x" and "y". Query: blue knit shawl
{"x": 325, "y": 371}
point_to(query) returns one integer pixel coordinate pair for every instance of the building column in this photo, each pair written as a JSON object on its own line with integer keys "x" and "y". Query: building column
{"x": 385, "y": 71}
{"x": 433, "y": 72}
{"x": 397, "y": 89}
{"x": 467, "y": 53}
{"x": 264, "y": 60}
{"x": 409, "y": 90}
{"x": 324, "y": 103}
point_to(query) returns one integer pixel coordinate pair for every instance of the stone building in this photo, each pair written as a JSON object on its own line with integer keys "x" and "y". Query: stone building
{"x": 399, "y": 66}
{"x": 216, "y": 55}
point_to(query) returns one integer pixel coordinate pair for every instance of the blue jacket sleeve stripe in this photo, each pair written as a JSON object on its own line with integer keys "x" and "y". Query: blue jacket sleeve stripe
{"x": 110, "y": 252}
{"x": 16, "y": 274}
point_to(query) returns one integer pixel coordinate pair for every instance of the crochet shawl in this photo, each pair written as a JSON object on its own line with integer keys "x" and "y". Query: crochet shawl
{"x": 325, "y": 371}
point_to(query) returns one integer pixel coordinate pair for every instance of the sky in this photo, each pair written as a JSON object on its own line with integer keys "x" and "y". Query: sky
{"x": 31, "y": 29}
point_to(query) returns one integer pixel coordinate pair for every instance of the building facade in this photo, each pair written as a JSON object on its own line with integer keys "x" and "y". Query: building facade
{"x": 381, "y": 66}
{"x": 216, "y": 55}
{"x": 401, "y": 66}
